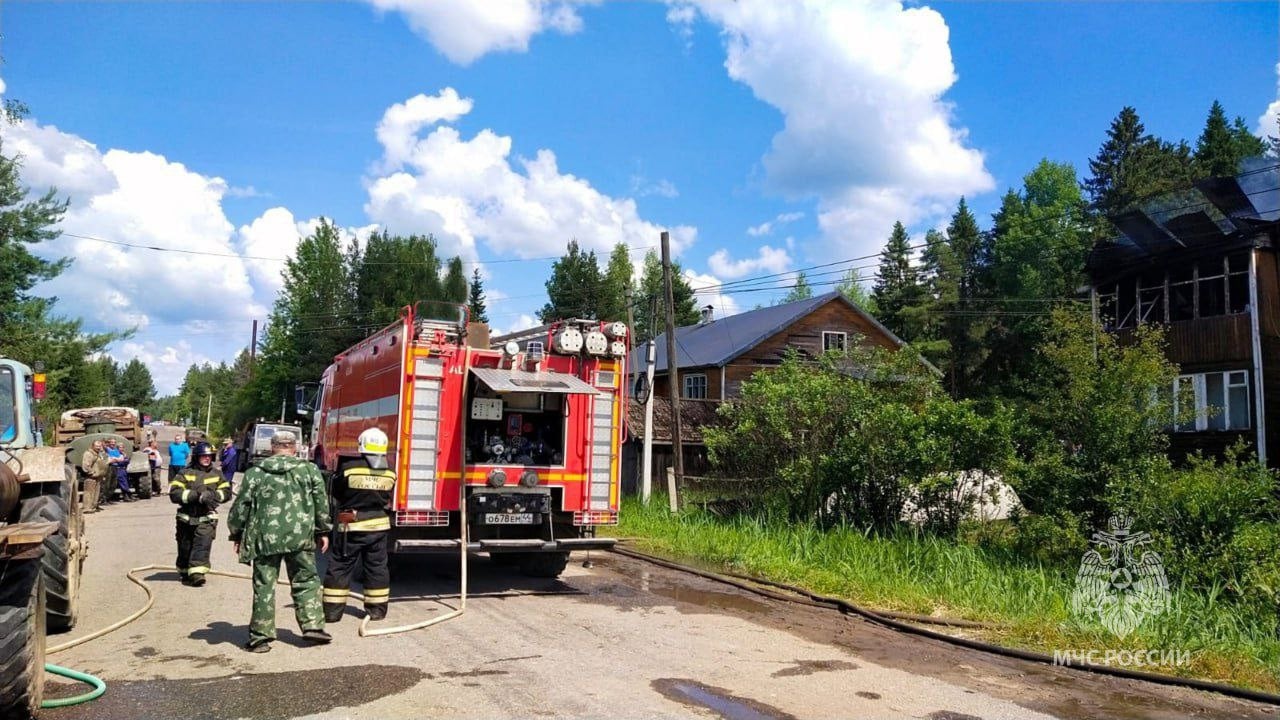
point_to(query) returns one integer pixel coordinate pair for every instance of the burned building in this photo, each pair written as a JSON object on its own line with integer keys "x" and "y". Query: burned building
{"x": 1203, "y": 263}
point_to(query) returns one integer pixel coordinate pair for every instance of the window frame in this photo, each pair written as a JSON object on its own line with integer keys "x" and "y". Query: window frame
{"x": 844, "y": 340}
{"x": 1199, "y": 390}
{"x": 685, "y": 385}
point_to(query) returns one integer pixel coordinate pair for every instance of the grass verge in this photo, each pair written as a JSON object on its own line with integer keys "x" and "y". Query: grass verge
{"x": 1029, "y": 603}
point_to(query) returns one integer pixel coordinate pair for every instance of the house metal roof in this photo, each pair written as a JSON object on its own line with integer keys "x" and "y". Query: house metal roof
{"x": 717, "y": 342}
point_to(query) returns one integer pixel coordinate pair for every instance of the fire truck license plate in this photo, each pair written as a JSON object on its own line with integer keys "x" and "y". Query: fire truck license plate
{"x": 508, "y": 518}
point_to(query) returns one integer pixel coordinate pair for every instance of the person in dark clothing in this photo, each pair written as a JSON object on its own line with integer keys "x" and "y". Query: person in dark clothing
{"x": 227, "y": 461}
{"x": 361, "y": 498}
{"x": 197, "y": 491}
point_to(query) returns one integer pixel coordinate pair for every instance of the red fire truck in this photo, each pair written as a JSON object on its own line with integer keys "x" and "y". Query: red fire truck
{"x": 513, "y": 451}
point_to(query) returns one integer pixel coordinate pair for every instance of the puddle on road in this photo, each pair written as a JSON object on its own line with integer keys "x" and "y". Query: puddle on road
{"x": 717, "y": 700}
{"x": 714, "y": 599}
{"x": 809, "y": 667}
{"x": 270, "y": 696}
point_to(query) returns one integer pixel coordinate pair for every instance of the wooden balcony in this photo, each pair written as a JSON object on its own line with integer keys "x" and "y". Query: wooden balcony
{"x": 1222, "y": 339}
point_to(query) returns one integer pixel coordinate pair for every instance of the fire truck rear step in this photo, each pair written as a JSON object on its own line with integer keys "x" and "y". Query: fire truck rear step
{"x": 512, "y": 545}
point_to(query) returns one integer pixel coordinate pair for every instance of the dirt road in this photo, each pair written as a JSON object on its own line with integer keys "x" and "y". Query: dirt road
{"x": 621, "y": 639}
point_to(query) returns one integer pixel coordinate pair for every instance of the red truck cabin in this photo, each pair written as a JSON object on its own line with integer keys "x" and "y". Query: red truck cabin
{"x": 525, "y": 440}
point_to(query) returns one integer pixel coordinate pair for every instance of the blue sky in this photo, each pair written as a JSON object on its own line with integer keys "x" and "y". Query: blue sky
{"x": 231, "y": 127}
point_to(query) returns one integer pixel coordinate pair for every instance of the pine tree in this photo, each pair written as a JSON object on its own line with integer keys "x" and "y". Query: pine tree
{"x": 1248, "y": 145}
{"x": 1217, "y": 147}
{"x": 799, "y": 291}
{"x": 475, "y": 303}
{"x": 454, "y": 286}
{"x": 651, "y": 299}
{"x": 939, "y": 293}
{"x": 1131, "y": 166}
{"x": 617, "y": 284}
{"x": 897, "y": 285}
{"x": 574, "y": 288}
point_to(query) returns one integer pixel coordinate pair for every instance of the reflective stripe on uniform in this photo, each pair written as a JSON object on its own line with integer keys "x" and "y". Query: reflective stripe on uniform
{"x": 378, "y": 523}
{"x": 367, "y": 482}
{"x": 211, "y": 517}
{"x": 376, "y": 596}
{"x": 198, "y": 570}
{"x": 335, "y": 593}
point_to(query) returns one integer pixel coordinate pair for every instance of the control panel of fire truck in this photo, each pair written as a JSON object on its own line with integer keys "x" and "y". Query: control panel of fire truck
{"x": 524, "y": 428}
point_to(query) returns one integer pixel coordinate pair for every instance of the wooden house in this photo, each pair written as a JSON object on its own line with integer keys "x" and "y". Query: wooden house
{"x": 1203, "y": 264}
{"x": 717, "y": 354}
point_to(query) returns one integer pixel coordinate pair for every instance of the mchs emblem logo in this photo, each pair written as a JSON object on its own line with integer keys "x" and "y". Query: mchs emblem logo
{"x": 1120, "y": 582}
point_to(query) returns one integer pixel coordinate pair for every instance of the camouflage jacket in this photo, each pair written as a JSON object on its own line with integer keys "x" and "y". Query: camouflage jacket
{"x": 282, "y": 507}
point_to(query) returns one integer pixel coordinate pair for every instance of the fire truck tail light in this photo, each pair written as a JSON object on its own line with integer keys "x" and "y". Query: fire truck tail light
{"x": 497, "y": 478}
{"x": 597, "y": 343}
{"x": 528, "y": 478}
{"x": 428, "y": 518}
{"x": 595, "y": 517}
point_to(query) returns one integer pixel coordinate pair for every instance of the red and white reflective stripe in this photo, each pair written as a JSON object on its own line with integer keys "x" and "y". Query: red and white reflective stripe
{"x": 595, "y": 517}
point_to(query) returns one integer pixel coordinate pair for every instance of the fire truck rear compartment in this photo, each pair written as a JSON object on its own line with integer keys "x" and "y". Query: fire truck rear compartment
{"x": 551, "y": 530}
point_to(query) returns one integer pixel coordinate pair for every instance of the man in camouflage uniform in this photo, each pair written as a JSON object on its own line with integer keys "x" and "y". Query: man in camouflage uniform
{"x": 280, "y": 514}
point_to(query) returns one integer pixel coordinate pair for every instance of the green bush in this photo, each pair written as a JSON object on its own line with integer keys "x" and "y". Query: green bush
{"x": 1214, "y": 522}
{"x": 851, "y": 438}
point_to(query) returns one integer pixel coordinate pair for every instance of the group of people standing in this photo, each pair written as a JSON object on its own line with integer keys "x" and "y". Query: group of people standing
{"x": 282, "y": 515}
{"x": 105, "y": 465}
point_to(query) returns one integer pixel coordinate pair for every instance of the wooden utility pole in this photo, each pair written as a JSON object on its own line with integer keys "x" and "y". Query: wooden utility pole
{"x": 673, "y": 376}
{"x": 253, "y": 348}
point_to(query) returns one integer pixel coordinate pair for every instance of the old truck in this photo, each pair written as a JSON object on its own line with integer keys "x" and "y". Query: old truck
{"x": 519, "y": 446}
{"x": 78, "y": 429}
{"x": 256, "y": 443}
{"x": 42, "y": 546}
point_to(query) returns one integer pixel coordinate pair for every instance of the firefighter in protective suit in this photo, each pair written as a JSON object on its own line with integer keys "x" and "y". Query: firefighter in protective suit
{"x": 197, "y": 490}
{"x": 361, "y": 496}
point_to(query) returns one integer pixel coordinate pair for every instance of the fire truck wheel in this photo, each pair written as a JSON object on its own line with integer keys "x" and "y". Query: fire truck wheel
{"x": 544, "y": 565}
{"x": 22, "y": 618}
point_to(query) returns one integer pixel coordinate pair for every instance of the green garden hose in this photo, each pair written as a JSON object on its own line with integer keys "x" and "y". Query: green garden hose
{"x": 99, "y": 687}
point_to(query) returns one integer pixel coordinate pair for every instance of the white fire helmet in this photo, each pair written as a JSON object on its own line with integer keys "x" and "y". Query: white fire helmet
{"x": 373, "y": 445}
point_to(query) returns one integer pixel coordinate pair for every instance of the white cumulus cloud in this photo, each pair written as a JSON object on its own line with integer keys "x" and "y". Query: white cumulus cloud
{"x": 769, "y": 226}
{"x": 465, "y": 30}
{"x": 768, "y": 260}
{"x": 860, "y": 84}
{"x": 706, "y": 288}
{"x": 466, "y": 191}
{"x": 146, "y": 200}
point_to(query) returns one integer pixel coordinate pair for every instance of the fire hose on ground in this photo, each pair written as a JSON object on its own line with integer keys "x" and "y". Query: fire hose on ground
{"x": 890, "y": 620}
{"x": 100, "y": 687}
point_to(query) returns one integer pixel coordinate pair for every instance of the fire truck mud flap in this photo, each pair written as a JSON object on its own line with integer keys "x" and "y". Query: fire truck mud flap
{"x": 505, "y": 546}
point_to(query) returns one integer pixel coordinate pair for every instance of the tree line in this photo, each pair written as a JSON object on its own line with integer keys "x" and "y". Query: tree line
{"x": 976, "y": 302}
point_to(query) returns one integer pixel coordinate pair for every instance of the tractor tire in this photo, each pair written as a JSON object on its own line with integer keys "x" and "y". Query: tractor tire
{"x": 62, "y": 559}
{"x": 143, "y": 485}
{"x": 544, "y": 565}
{"x": 22, "y": 628}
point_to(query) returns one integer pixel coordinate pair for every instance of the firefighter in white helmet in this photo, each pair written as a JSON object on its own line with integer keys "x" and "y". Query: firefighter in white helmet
{"x": 361, "y": 499}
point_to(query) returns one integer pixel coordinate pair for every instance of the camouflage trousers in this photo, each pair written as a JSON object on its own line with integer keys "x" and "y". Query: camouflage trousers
{"x": 305, "y": 582}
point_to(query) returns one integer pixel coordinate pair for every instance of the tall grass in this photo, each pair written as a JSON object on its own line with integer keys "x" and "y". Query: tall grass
{"x": 1028, "y": 603}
